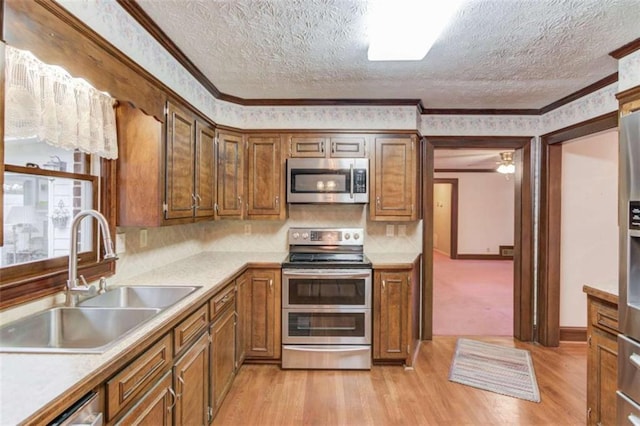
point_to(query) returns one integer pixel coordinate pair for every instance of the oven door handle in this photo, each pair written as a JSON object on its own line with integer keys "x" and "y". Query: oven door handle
{"x": 320, "y": 275}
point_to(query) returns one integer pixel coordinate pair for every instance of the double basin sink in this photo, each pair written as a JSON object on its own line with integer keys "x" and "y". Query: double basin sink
{"x": 94, "y": 326}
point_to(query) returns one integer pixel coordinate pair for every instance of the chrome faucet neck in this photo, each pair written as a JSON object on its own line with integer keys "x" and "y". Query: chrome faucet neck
{"x": 72, "y": 282}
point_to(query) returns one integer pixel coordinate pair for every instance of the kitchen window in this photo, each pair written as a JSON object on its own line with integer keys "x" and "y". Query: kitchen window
{"x": 52, "y": 122}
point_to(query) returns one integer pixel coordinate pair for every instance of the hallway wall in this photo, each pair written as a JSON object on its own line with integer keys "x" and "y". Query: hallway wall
{"x": 589, "y": 222}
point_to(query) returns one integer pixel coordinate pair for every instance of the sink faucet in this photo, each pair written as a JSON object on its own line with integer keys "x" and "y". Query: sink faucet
{"x": 72, "y": 283}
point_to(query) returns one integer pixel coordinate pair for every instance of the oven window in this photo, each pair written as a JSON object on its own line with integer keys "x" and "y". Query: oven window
{"x": 343, "y": 291}
{"x": 326, "y": 324}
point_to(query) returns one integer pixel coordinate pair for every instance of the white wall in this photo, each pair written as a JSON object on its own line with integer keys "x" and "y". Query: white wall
{"x": 589, "y": 235}
{"x": 485, "y": 211}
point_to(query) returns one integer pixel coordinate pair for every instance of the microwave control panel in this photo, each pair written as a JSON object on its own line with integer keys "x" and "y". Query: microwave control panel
{"x": 634, "y": 215}
{"x": 360, "y": 181}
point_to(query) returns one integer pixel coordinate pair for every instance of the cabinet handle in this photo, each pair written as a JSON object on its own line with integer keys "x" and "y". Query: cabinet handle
{"x": 181, "y": 380}
{"x": 634, "y": 420}
{"x": 384, "y": 284}
{"x": 333, "y": 147}
{"x": 378, "y": 201}
{"x": 270, "y": 283}
{"x": 322, "y": 147}
{"x": 195, "y": 202}
{"x": 225, "y": 299}
{"x": 175, "y": 399}
{"x": 277, "y": 201}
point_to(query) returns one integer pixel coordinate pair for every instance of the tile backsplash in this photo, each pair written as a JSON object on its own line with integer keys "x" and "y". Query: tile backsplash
{"x": 171, "y": 243}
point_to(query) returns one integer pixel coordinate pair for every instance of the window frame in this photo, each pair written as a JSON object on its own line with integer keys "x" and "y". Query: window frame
{"x": 29, "y": 281}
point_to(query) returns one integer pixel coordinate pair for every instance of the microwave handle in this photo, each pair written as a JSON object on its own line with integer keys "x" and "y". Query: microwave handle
{"x": 351, "y": 177}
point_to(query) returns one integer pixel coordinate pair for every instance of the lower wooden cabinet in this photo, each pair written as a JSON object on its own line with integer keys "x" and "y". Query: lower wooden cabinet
{"x": 242, "y": 310}
{"x": 155, "y": 408}
{"x": 602, "y": 357}
{"x": 223, "y": 360}
{"x": 263, "y": 338}
{"x": 191, "y": 385}
{"x": 396, "y": 313}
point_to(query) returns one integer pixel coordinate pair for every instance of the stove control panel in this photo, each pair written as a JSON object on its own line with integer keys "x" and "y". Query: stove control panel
{"x": 326, "y": 236}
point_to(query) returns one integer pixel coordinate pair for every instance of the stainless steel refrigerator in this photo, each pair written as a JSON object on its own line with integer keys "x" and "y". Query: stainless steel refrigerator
{"x": 629, "y": 295}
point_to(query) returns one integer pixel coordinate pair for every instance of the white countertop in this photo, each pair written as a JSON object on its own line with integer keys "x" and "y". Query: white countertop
{"x": 380, "y": 260}
{"x": 610, "y": 287}
{"x": 29, "y": 382}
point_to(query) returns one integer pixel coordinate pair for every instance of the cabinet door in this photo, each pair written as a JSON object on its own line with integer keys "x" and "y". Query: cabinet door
{"x": 391, "y": 314}
{"x": 155, "y": 408}
{"x": 307, "y": 146}
{"x": 265, "y": 313}
{"x": 222, "y": 366}
{"x": 205, "y": 177}
{"x": 602, "y": 371}
{"x": 265, "y": 191}
{"x": 230, "y": 175}
{"x": 394, "y": 186}
{"x": 191, "y": 384}
{"x": 180, "y": 194}
{"x": 140, "y": 159}
{"x": 348, "y": 146}
{"x": 242, "y": 309}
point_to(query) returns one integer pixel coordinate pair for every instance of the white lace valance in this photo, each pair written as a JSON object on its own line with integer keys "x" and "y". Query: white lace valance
{"x": 46, "y": 102}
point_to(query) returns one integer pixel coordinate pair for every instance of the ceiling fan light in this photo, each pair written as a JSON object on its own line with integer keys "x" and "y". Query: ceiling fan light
{"x": 405, "y": 30}
{"x": 507, "y": 168}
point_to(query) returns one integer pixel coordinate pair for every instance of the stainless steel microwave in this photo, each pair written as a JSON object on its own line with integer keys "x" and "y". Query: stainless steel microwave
{"x": 334, "y": 180}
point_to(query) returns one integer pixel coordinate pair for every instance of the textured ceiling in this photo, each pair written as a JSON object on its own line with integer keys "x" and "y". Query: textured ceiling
{"x": 467, "y": 158}
{"x": 495, "y": 54}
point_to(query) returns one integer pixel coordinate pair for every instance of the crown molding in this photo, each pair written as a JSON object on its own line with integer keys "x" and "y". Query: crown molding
{"x": 137, "y": 13}
{"x": 625, "y": 50}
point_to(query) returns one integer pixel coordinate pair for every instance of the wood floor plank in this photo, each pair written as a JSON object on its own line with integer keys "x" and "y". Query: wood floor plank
{"x": 390, "y": 395}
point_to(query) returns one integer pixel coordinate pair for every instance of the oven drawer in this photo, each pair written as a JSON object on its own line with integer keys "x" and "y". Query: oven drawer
{"x": 326, "y": 326}
{"x": 629, "y": 367}
{"x": 327, "y": 357}
{"x": 628, "y": 411}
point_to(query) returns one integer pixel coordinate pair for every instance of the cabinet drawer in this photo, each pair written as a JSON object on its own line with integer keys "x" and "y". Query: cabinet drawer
{"x": 127, "y": 385}
{"x": 154, "y": 407}
{"x": 604, "y": 317}
{"x": 227, "y": 297}
{"x": 188, "y": 330}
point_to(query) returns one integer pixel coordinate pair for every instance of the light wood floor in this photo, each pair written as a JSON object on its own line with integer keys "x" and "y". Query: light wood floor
{"x": 389, "y": 395}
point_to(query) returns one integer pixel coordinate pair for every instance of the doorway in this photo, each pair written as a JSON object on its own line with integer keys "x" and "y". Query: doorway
{"x": 445, "y": 217}
{"x": 523, "y": 226}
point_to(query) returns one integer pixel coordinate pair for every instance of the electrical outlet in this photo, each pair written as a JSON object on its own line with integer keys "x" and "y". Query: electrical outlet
{"x": 247, "y": 229}
{"x": 390, "y": 230}
{"x": 402, "y": 230}
{"x": 121, "y": 243}
{"x": 143, "y": 238}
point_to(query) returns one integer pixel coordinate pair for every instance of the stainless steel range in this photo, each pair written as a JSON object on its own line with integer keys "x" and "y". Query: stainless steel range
{"x": 326, "y": 300}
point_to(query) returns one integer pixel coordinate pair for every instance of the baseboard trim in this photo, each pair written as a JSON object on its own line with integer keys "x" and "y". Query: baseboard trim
{"x": 573, "y": 334}
{"x": 481, "y": 257}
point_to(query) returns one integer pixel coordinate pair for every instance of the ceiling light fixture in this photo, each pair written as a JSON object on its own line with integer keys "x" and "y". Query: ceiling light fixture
{"x": 506, "y": 163}
{"x": 405, "y": 30}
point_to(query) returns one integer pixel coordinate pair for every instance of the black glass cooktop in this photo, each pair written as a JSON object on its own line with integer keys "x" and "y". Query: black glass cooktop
{"x": 324, "y": 260}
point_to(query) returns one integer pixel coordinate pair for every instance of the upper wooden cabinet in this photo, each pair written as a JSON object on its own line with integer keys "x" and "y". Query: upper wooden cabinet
{"x": 318, "y": 145}
{"x": 230, "y": 183}
{"x": 395, "y": 178}
{"x": 164, "y": 177}
{"x": 190, "y": 166}
{"x": 265, "y": 178}
{"x": 250, "y": 180}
